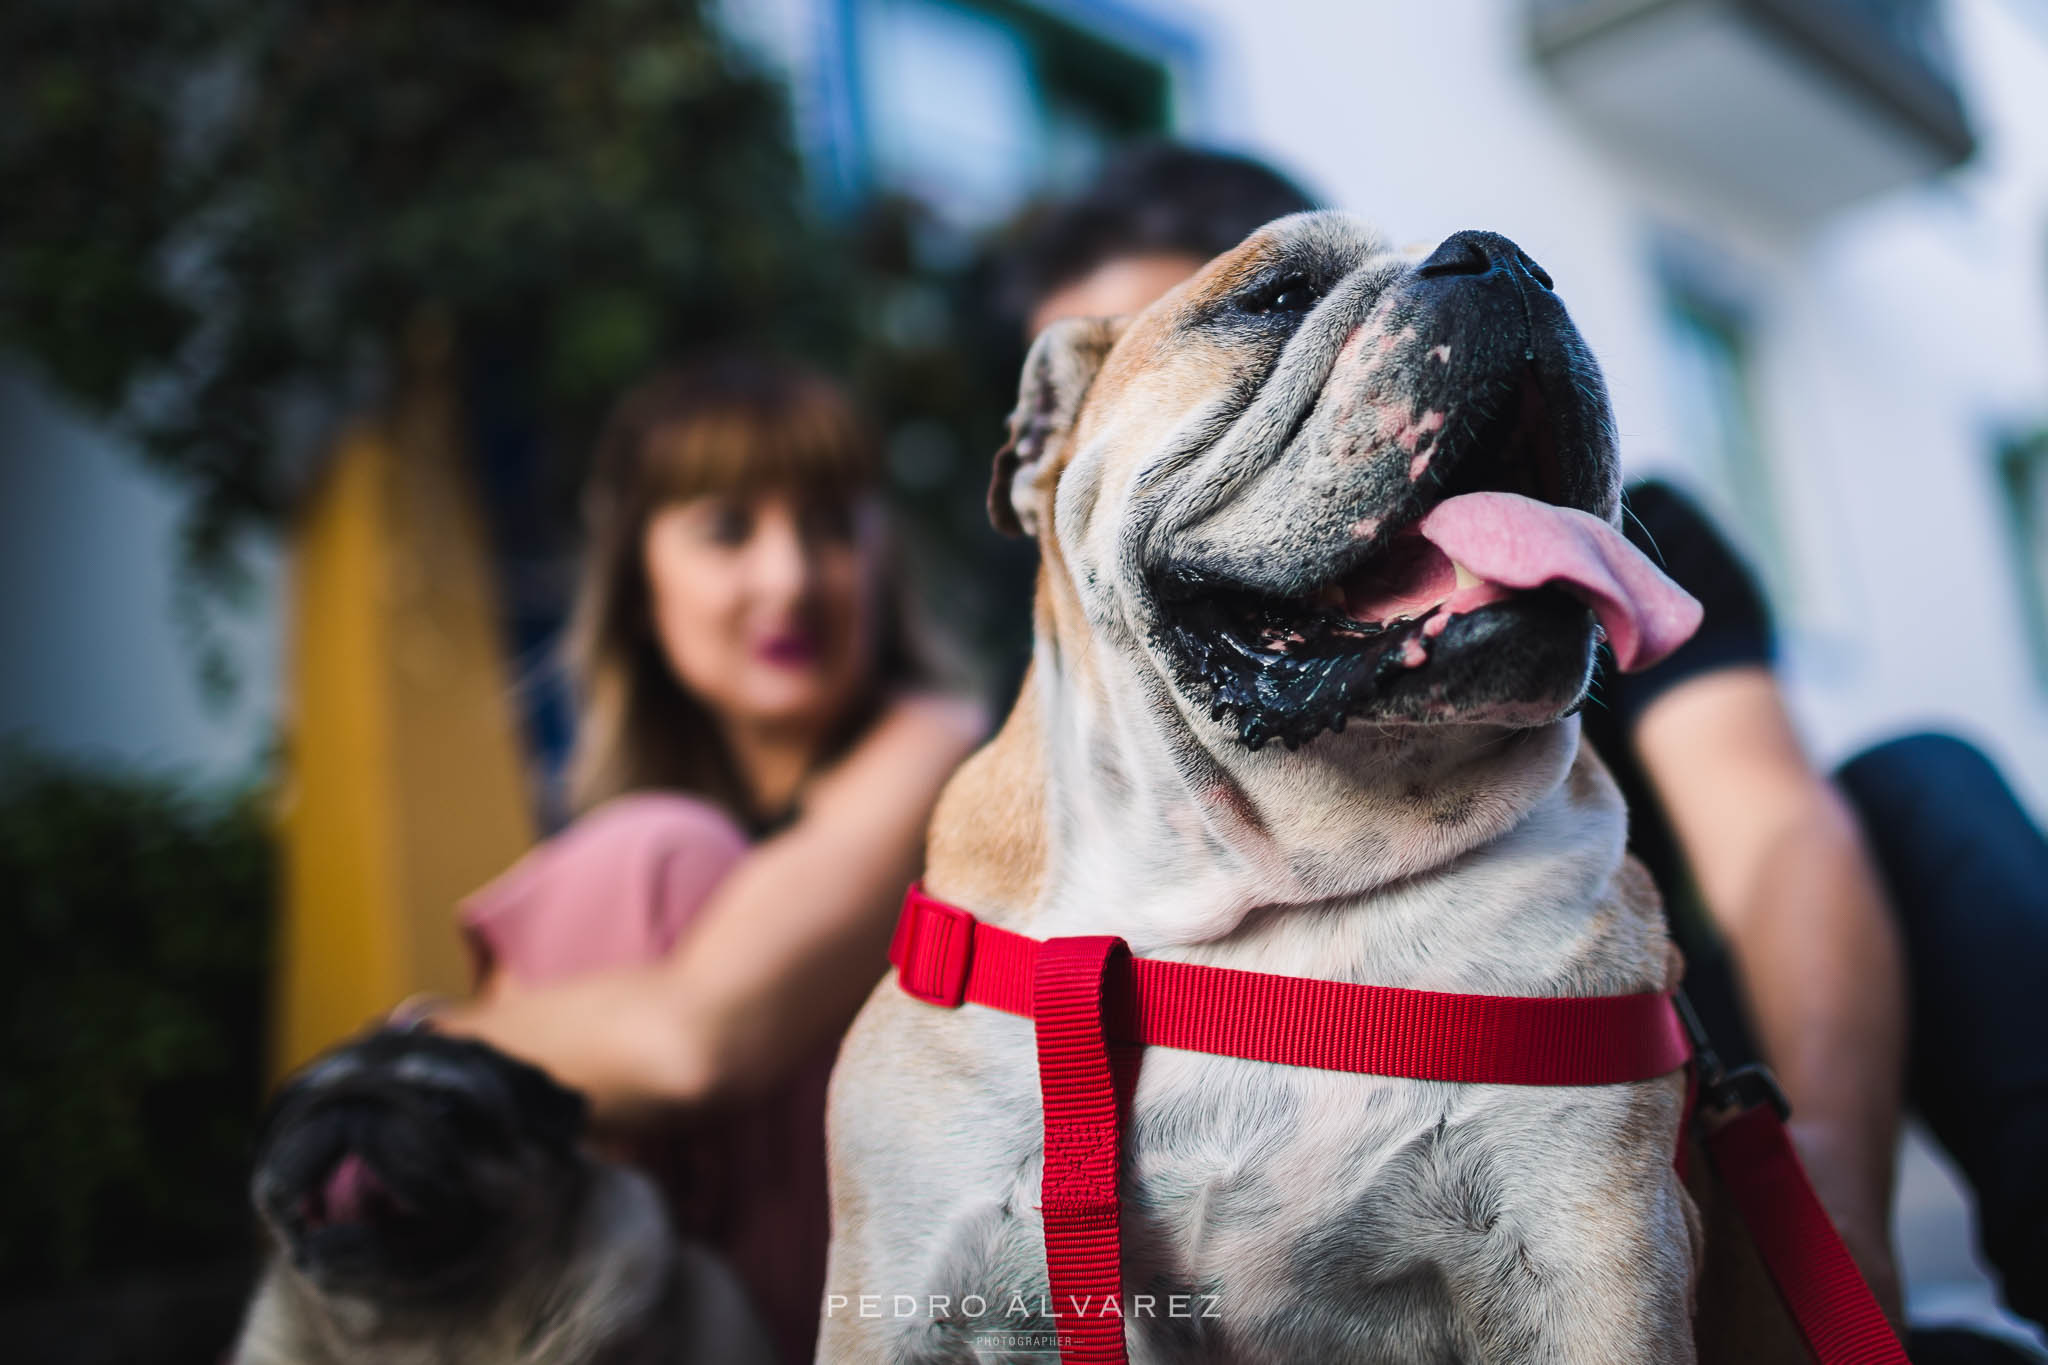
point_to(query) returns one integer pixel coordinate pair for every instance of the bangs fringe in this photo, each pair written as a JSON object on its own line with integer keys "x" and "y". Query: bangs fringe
{"x": 800, "y": 433}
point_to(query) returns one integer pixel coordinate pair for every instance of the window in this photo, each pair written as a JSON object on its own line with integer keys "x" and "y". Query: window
{"x": 2023, "y": 472}
{"x": 1712, "y": 398}
{"x": 972, "y": 106}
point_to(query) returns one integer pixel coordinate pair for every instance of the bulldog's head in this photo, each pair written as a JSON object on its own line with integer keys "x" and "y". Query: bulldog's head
{"x": 409, "y": 1166}
{"x": 1323, "y": 481}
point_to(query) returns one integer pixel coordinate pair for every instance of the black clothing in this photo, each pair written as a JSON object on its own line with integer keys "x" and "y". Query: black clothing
{"x": 1967, "y": 873}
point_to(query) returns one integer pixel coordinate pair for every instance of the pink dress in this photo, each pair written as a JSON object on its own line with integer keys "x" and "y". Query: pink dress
{"x": 620, "y": 886}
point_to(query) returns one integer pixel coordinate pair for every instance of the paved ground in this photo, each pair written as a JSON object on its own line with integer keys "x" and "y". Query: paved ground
{"x": 1934, "y": 1228}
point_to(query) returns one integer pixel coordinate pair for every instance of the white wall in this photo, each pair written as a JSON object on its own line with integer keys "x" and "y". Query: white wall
{"x": 1889, "y": 342}
{"x": 91, "y": 660}
{"x": 1920, "y": 327}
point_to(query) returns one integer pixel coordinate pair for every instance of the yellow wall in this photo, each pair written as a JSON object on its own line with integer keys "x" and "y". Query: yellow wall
{"x": 404, "y": 787}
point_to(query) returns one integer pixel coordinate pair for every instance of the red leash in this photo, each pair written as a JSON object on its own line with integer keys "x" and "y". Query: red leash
{"x": 1087, "y": 993}
{"x": 1827, "y": 1296}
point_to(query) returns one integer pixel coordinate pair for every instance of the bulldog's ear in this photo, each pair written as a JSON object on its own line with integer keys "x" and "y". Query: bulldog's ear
{"x": 1057, "y": 373}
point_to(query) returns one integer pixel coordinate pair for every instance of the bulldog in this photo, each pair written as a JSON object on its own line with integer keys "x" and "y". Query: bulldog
{"x": 1328, "y": 541}
{"x": 429, "y": 1203}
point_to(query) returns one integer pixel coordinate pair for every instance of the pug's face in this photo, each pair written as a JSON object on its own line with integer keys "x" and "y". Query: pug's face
{"x": 409, "y": 1165}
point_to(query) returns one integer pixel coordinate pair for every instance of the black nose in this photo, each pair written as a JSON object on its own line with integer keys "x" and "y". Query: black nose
{"x": 1479, "y": 253}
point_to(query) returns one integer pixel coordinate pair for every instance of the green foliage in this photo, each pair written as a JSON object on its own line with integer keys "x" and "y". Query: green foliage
{"x": 224, "y": 214}
{"x": 133, "y": 954}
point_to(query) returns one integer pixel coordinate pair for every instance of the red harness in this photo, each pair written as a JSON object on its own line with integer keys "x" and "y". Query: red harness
{"x": 1095, "y": 1006}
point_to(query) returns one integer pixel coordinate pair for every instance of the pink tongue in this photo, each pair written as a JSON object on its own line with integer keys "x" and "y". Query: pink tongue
{"x": 348, "y": 1190}
{"x": 1519, "y": 542}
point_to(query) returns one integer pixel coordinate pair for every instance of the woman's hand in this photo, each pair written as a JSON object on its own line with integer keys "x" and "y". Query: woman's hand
{"x": 610, "y": 1034}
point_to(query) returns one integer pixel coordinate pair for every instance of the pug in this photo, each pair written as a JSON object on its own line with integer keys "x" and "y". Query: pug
{"x": 429, "y": 1201}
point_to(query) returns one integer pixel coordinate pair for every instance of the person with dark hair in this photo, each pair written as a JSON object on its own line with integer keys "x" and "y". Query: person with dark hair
{"x": 758, "y": 748}
{"x": 1156, "y": 212}
{"x": 1812, "y": 910}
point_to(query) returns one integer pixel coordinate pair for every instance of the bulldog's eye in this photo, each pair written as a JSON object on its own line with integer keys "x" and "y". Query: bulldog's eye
{"x": 1288, "y": 294}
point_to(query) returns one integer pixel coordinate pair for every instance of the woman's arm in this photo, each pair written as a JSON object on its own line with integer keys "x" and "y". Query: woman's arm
{"x": 1779, "y": 860}
{"x": 778, "y": 960}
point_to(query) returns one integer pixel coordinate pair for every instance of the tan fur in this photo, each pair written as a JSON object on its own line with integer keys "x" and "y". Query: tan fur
{"x": 987, "y": 842}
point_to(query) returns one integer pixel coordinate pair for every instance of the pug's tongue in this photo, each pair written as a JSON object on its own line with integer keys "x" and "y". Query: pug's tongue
{"x": 1515, "y": 542}
{"x": 350, "y": 1186}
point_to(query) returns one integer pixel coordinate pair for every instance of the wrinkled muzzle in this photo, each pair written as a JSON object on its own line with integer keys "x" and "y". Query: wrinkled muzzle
{"x": 1431, "y": 535}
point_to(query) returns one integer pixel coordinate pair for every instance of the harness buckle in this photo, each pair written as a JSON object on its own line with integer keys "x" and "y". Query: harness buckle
{"x": 932, "y": 950}
{"x": 1723, "y": 1091}
{"x": 1745, "y": 1088}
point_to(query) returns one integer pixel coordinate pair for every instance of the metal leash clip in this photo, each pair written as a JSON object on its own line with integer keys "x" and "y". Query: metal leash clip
{"x": 1723, "y": 1091}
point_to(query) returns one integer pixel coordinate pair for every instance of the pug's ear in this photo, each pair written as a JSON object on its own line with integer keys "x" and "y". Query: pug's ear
{"x": 1062, "y": 364}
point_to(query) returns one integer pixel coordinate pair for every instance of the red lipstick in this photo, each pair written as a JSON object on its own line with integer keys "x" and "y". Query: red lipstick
{"x": 789, "y": 649}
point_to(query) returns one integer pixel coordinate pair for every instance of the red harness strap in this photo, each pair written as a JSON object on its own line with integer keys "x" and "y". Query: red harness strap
{"x": 1826, "y": 1294}
{"x": 1088, "y": 992}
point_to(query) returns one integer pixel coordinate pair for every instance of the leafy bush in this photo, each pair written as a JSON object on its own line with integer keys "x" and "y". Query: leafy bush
{"x": 224, "y": 215}
{"x": 133, "y": 958}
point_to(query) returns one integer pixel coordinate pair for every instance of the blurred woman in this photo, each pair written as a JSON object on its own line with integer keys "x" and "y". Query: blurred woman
{"x": 757, "y": 753}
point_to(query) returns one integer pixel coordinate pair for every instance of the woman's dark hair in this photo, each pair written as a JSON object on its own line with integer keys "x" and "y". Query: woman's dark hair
{"x": 1150, "y": 198}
